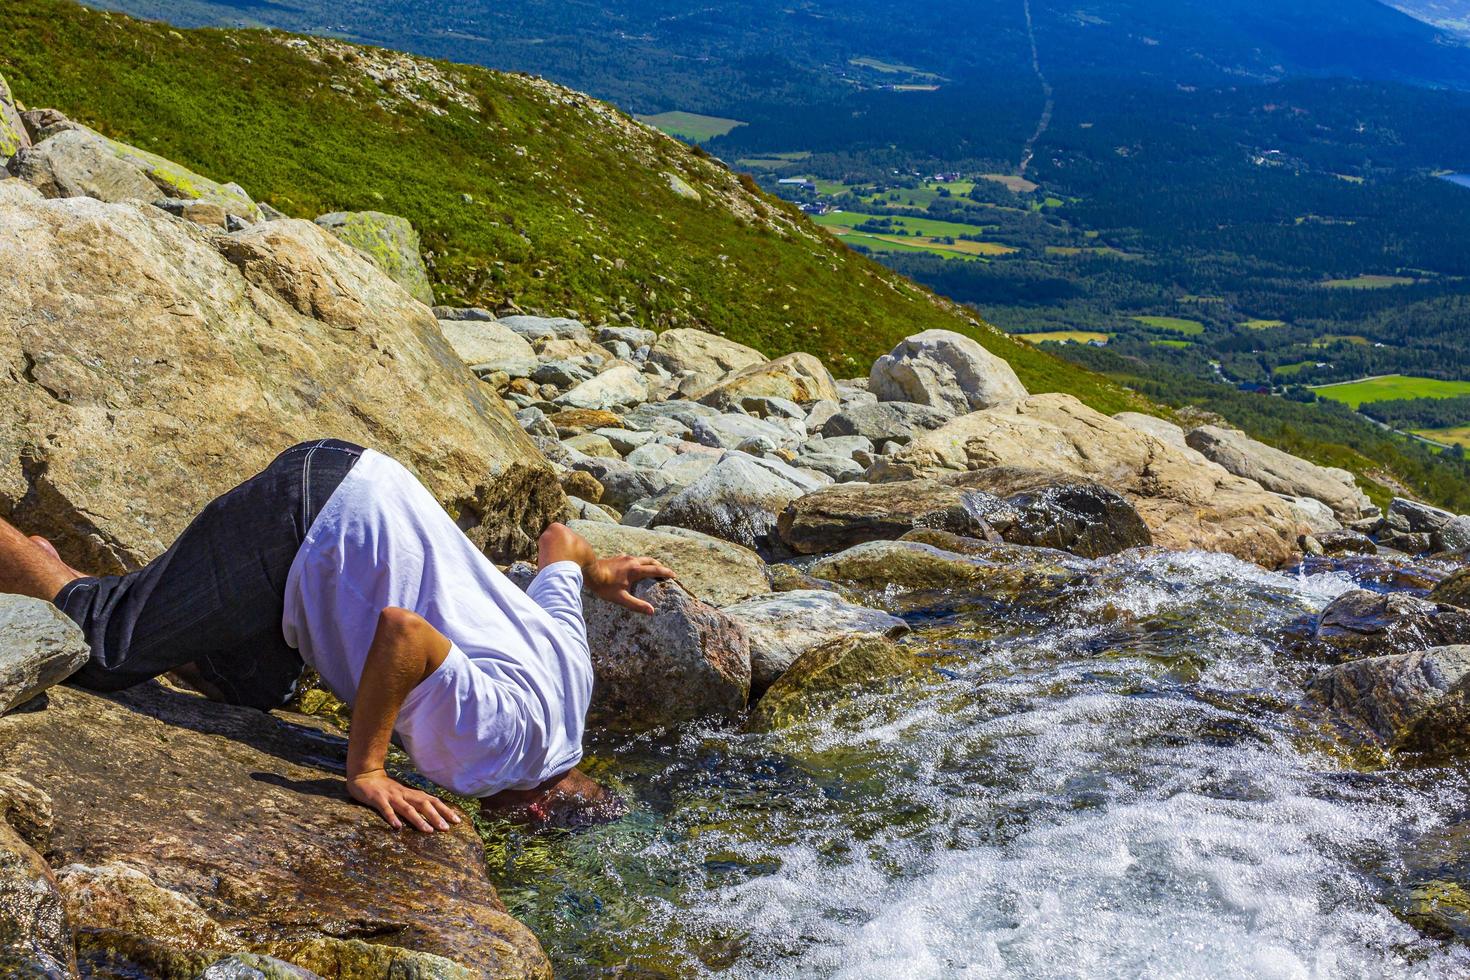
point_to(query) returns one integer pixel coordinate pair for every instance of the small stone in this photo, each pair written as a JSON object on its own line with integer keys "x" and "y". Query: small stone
{"x": 39, "y": 647}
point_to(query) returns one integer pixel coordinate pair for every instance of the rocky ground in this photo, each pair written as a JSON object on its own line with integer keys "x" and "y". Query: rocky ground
{"x": 163, "y": 336}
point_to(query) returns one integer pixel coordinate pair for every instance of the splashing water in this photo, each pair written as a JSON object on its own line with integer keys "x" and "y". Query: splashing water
{"x": 1115, "y": 780}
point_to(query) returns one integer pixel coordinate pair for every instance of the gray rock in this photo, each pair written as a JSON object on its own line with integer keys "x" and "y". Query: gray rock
{"x": 585, "y": 510}
{"x": 737, "y": 500}
{"x": 1281, "y": 472}
{"x": 944, "y": 370}
{"x": 45, "y": 123}
{"x": 561, "y": 373}
{"x": 76, "y": 164}
{"x": 802, "y": 479}
{"x": 1345, "y": 542}
{"x": 716, "y": 571}
{"x": 656, "y": 415}
{"x": 1454, "y": 536}
{"x": 39, "y": 647}
{"x": 626, "y": 440}
{"x": 687, "y": 467}
{"x": 13, "y": 133}
{"x": 651, "y": 454}
{"x": 729, "y": 430}
{"x": 535, "y": 422}
{"x": 782, "y": 626}
{"x": 841, "y": 469}
{"x": 1413, "y": 517}
{"x": 540, "y": 327}
{"x": 622, "y": 484}
{"x": 253, "y": 966}
{"x": 820, "y": 411}
{"x": 884, "y": 422}
{"x": 1361, "y": 624}
{"x": 1042, "y": 509}
{"x": 634, "y": 337}
{"x": 1161, "y": 429}
{"x": 847, "y": 446}
{"x": 487, "y": 346}
{"x": 474, "y": 313}
{"x": 848, "y": 514}
{"x": 390, "y": 241}
{"x": 1313, "y": 514}
{"x": 1385, "y": 695}
{"x": 767, "y": 406}
{"x": 703, "y": 358}
{"x": 618, "y": 386}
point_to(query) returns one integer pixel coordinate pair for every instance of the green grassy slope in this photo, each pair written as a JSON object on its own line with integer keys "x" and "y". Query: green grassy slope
{"x": 524, "y": 192}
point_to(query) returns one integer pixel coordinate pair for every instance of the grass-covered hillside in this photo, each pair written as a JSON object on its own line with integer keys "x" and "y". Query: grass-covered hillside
{"x": 524, "y": 192}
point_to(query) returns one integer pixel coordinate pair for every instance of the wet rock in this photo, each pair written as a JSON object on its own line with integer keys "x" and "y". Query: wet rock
{"x": 257, "y": 829}
{"x": 737, "y": 500}
{"x": 847, "y": 514}
{"x": 795, "y": 377}
{"x": 944, "y": 370}
{"x": 1282, "y": 472}
{"x": 888, "y": 421}
{"x": 1414, "y": 527}
{"x": 1360, "y": 624}
{"x": 704, "y": 357}
{"x": 619, "y": 385}
{"x": 1345, "y": 542}
{"x": 1040, "y": 509}
{"x": 827, "y": 674}
{"x": 1161, "y": 429}
{"x": 1453, "y": 590}
{"x": 1387, "y": 697}
{"x": 149, "y": 357}
{"x": 486, "y": 346}
{"x": 77, "y": 164}
{"x": 714, "y": 570}
{"x": 34, "y": 927}
{"x": 39, "y": 647}
{"x": 914, "y": 565}
{"x": 535, "y": 328}
{"x": 782, "y": 626}
{"x": 1187, "y": 502}
{"x": 117, "y": 897}
{"x": 686, "y": 661}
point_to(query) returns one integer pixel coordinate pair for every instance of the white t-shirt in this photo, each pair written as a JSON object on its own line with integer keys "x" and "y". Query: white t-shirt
{"x": 506, "y": 709}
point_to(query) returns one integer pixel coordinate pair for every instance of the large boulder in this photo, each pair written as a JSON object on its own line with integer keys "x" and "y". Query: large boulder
{"x": 168, "y": 178}
{"x": 714, "y": 570}
{"x": 1444, "y": 530}
{"x": 154, "y": 366}
{"x": 39, "y": 647}
{"x": 13, "y": 135}
{"x": 1161, "y": 429}
{"x": 737, "y": 499}
{"x": 538, "y": 328}
{"x": 36, "y": 936}
{"x": 882, "y": 422}
{"x": 782, "y": 626}
{"x": 997, "y": 572}
{"x": 840, "y": 516}
{"x": 1360, "y": 624}
{"x": 487, "y": 346}
{"x": 796, "y": 378}
{"x": 74, "y": 163}
{"x": 944, "y": 370}
{"x": 620, "y": 385}
{"x": 704, "y": 357}
{"x": 242, "y": 816}
{"x": 827, "y": 674}
{"x": 1040, "y": 509}
{"x": 390, "y": 241}
{"x": 1282, "y": 472}
{"x": 1186, "y": 501}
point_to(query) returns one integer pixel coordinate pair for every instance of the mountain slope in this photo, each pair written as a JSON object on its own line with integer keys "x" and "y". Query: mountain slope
{"x": 524, "y": 192}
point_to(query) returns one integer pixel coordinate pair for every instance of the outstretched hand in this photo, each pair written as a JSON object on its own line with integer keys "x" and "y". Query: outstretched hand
{"x": 612, "y": 579}
{"x": 397, "y": 803}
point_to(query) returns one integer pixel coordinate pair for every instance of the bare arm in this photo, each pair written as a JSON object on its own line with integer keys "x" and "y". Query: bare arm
{"x": 405, "y": 650}
{"x": 610, "y": 579}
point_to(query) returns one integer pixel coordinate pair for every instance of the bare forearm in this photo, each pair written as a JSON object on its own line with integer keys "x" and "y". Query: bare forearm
{"x": 405, "y": 650}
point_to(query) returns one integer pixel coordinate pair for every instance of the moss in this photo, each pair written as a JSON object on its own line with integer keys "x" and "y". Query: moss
{"x": 828, "y": 674}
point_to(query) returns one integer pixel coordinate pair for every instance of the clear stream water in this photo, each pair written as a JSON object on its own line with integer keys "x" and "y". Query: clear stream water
{"x": 1112, "y": 779}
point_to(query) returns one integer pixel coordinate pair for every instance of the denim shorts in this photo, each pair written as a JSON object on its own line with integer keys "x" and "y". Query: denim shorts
{"x": 216, "y": 597}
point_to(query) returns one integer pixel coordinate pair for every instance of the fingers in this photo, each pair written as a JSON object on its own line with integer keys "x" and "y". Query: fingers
{"x": 406, "y": 809}
{"x": 385, "y": 810}
{"x": 626, "y": 598}
{"x": 445, "y": 810}
{"x": 653, "y": 568}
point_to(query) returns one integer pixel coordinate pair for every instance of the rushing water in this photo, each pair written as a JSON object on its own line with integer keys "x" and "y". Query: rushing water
{"x": 1112, "y": 779}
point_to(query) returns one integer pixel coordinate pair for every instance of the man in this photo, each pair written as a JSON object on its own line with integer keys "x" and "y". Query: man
{"x": 337, "y": 557}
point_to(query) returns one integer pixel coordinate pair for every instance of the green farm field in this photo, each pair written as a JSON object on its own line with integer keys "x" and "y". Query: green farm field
{"x": 1176, "y": 324}
{"x": 1369, "y": 282}
{"x": 1355, "y": 393}
{"x": 914, "y": 226}
{"x": 1256, "y": 324}
{"x": 691, "y": 126}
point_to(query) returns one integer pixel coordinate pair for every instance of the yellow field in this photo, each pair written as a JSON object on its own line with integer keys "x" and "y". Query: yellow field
{"x": 1369, "y": 282}
{"x": 1065, "y": 336}
{"x": 1263, "y": 324}
{"x": 1018, "y": 184}
{"x": 1457, "y": 436}
{"x": 975, "y": 248}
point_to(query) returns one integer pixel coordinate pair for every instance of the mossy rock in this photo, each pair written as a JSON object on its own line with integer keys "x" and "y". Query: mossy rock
{"x": 390, "y": 242}
{"x": 1440, "y": 909}
{"x": 1003, "y": 572}
{"x": 1453, "y": 591}
{"x": 820, "y": 679}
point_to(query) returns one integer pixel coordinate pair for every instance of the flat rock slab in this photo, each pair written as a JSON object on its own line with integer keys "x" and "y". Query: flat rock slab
{"x": 39, "y": 647}
{"x": 1385, "y": 696}
{"x": 1360, "y": 624}
{"x": 245, "y": 813}
{"x": 843, "y": 515}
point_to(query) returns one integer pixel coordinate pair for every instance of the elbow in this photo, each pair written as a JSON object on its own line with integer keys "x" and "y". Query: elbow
{"x": 401, "y": 623}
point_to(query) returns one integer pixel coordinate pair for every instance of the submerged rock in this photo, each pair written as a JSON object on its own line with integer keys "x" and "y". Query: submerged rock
{"x": 156, "y": 367}
{"x": 827, "y": 674}
{"x": 244, "y": 815}
{"x": 944, "y": 370}
{"x": 915, "y": 565}
{"x": 784, "y": 625}
{"x": 39, "y": 647}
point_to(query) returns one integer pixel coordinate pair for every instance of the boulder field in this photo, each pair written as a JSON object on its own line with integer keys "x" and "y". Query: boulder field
{"x": 163, "y": 336}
